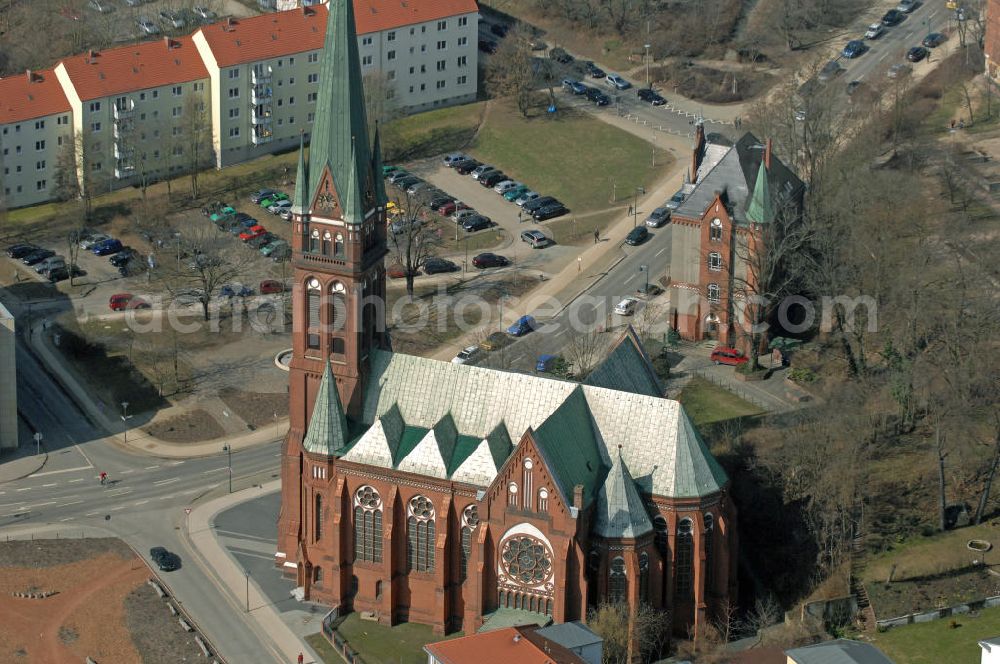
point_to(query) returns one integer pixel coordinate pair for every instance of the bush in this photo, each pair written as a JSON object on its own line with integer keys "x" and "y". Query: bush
{"x": 802, "y": 375}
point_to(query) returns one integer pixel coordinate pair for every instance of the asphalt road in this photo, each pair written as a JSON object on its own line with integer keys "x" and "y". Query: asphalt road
{"x": 143, "y": 503}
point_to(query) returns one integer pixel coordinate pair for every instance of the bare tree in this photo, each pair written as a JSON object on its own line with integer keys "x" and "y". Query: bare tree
{"x": 641, "y": 633}
{"x": 380, "y": 101}
{"x": 411, "y": 239}
{"x": 196, "y": 138}
{"x": 584, "y": 351}
{"x": 66, "y": 177}
{"x": 766, "y": 612}
{"x": 510, "y": 73}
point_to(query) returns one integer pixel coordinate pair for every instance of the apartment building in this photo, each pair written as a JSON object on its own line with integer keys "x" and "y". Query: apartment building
{"x": 134, "y": 110}
{"x": 34, "y": 121}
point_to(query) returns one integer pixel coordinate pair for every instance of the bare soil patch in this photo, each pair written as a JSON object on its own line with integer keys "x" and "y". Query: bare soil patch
{"x": 156, "y": 633}
{"x": 711, "y": 85}
{"x": 933, "y": 592}
{"x": 193, "y": 426}
{"x": 255, "y": 408}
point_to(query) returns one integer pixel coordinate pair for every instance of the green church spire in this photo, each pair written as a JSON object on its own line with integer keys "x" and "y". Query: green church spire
{"x": 300, "y": 202}
{"x": 327, "y": 431}
{"x": 760, "y": 210}
{"x": 340, "y": 112}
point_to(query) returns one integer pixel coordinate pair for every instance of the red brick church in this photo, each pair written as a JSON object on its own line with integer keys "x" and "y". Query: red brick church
{"x": 453, "y": 495}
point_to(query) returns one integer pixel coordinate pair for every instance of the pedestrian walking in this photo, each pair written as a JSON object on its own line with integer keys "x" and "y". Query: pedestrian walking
{"x": 104, "y": 477}
{"x": 301, "y": 658}
{"x": 597, "y": 236}
{"x": 630, "y": 209}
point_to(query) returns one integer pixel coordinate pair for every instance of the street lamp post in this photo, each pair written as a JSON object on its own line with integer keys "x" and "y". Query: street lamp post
{"x": 229, "y": 462}
{"x": 647, "y": 65}
{"x": 125, "y": 418}
{"x": 247, "y": 573}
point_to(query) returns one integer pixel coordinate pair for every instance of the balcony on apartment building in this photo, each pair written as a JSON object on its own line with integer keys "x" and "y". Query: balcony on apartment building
{"x": 260, "y": 74}
{"x": 123, "y": 151}
{"x": 260, "y": 94}
{"x": 124, "y": 169}
{"x": 261, "y": 118}
{"x": 124, "y": 109}
{"x": 261, "y": 135}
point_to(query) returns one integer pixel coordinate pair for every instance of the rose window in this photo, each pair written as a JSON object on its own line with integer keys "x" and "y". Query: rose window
{"x": 368, "y": 498}
{"x": 526, "y": 560}
{"x": 422, "y": 508}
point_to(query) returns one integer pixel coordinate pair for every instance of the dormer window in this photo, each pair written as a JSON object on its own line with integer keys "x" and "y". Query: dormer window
{"x": 715, "y": 232}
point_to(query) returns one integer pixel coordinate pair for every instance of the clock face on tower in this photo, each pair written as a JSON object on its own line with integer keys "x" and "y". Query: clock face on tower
{"x": 326, "y": 202}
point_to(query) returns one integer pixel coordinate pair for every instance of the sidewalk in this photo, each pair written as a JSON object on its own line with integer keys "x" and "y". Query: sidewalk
{"x": 199, "y": 531}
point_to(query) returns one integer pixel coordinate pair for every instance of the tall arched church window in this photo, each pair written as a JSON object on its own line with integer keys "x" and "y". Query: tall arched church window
{"x": 684, "y": 558}
{"x": 526, "y": 484}
{"x": 367, "y": 525}
{"x": 313, "y": 298}
{"x": 314, "y": 241}
{"x": 318, "y": 517}
{"x": 543, "y": 500}
{"x": 644, "y": 577}
{"x": 715, "y": 230}
{"x": 327, "y": 243}
{"x": 617, "y": 583}
{"x": 660, "y": 533}
{"x": 470, "y": 521}
{"x": 512, "y": 494}
{"x": 338, "y": 245}
{"x": 420, "y": 534}
{"x": 709, "y": 549}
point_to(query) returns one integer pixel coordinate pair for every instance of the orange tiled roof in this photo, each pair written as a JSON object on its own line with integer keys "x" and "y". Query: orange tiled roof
{"x": 139, "y": 67}
{"x": 378, "y": 15}
{"x": 298, "y": 30}
{"x": 21, "y": 99}
{"x": 502, "y": 646}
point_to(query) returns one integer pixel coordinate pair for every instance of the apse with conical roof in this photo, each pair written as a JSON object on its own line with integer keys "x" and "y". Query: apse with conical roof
{"x": 339, "y": 146}
{"x": 327, "y": 431}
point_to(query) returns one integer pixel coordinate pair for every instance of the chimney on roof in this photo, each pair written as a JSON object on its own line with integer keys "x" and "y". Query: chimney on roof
{"x": 166, "y": 42}
{"x": 517, "y": 637}
{"x": 229, "y": 22}
{"x": 31, "y": 75}
{"x": 767, "y": 154}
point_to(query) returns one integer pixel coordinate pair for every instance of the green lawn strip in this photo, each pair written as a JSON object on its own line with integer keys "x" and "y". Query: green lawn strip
{"x": 928, "y": 556}
{"x": 323, "y": 648}
{"x": 380, "y": 644}
{"x": 431, "y": 133}
{"x": 706, "y": 402}
{"x": 572, "y": 156}
{"x": 939, "y": 641}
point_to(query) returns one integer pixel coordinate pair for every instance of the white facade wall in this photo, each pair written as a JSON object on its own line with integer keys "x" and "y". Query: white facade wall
{"x": 991, "y": 651}
{"x": 8, "y": 384}
{"x": 29, "y": 152}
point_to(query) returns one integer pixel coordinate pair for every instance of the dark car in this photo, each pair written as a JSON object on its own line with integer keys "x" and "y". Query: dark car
{"x": 574, "y": 86}
{"x": 37, "y": 256}
{"x": 487, "y": 46}
{"x": 169, "y": 562}
{"x": 651, "y": 96}
{"x": 550, "y": 212}
{"x": 560, "y": 55}
{"x": 637, "y": 236}
{"x": 598, "y": 97}
{"x": 243, "y": 216}
{"x": 262, "y": 240}
{"x": 594, "y": 71}
{"x": 933, "y": 40}
{"x": 62, "y": 273}
{"x": 538, "y": 203}
{"x": 435, "y": 203}
{"x": 500, "y": 29}
{"x": 476, "y": 222}
{"x": 21, "y": 250}
{"x": 407, "y": 182}
{"x": 489, "y": 260}
{"x": 467, "y": 166}
{"x": 648, "y": 289}
{"x": 123, "y": 256}
{"x": 108, "y": 247}
{"x": 916, "y": 54}
{"x": 893, "y": 17}
{"x": 438, "y": 265}
{"x": 854, "y": 48}
{"x": 492, "y": 178}
{"x": 259, "y": 195}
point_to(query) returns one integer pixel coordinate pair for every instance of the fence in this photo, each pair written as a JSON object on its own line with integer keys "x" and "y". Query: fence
{"x": 739, "y": 390}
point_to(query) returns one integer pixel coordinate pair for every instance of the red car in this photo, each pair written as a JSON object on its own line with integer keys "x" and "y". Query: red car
{"x": 727, "y": 355}
{"x": 270, "y": 287}
{"x": 252, "y": 232}
{"x": 397, "y": 271}
{"x": 123, "y": 301}
{"x": 451, "y": 207}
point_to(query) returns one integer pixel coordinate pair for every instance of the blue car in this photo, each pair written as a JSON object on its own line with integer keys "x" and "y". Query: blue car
{"x": 545, "y": 362}
{"x": 231, "y": 291}
{"x": 523, "y": 326}
{"x": 854, "y": 48}
{"x": 107, "y": 247}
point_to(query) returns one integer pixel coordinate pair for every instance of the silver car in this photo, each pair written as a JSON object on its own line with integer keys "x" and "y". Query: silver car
{"x": 675, "y": 201}
{"x": 658, "y": 217}
{"x": 148, "y": 27}
{"x": 204, "y": 13}
{"x": 172, "y": 19}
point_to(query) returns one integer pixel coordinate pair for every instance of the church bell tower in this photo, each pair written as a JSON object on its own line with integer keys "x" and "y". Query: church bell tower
{"x": 338, "y": 247}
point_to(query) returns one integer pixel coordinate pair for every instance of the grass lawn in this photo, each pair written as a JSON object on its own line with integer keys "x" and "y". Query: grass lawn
{"x": 433, "y": 132}
{"x": 378, "y": 644}
{"x": 937, "y": 642}
{"x": 323, "y": 648}
{"x": 927, "y": 556}
{"x": 706, "y": 402}
{"x": 570, "y": 155}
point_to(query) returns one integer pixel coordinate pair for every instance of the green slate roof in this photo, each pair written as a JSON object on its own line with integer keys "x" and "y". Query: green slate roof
{"x": 569, "y": 444}
{"x": 621, "y": 512}
{"x": 696, "y": 472}
{"x": 627, "y": 368}
{"x": 327, "y": 431}
{"x": 340, "y": 115}
{"x": 761, "y": 209}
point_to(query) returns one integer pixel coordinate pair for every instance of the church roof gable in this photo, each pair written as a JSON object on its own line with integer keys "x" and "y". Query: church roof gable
{"x": 327, "y": 431}
{"x": 621, "y": 512}
{"x": 627, "y": 368}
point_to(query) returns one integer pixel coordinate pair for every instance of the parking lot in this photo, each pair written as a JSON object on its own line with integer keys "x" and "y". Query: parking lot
{"x": 120, "y": 19}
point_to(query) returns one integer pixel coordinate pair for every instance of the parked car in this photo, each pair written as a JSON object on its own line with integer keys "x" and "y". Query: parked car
{"x": 560, "y": 55}
{"x": 282, "y": 253}
{"x": 436, "y": 265}
{"x": 495, "y": 341}
{"x": 491, "y": 178}
{"x": 270, "y": 249}
{"x": 451, "y": 208}
{"x": 594, "y": 71}
{"x": 280, "y": 206}
{"x": 398, "y": 271}
{"x": 504, "y": 186}
{"x": 651, "y": 96}
{"x": 21, "y": 249}
{"x": 481, "y": 169}
{"x": 854, "y": 48}
{"x": 92, "y": 240}
{"x": 286, "y": 214}
{"x": 406, "y": 181}
{"x": 486, "y": 260}
{"x": 165, "y": 560}
{"x": 658, "y": 217}
{"x": 454, "y": 158}
{"x": 270, "y": 287}
{"x": 637, "y": 236}
{"x": 235, "y": 290}
{"x": 107, "y": 248}
{"x": 536, "y": 239}
{"x": 461, "y": 215}
{"x": 574, "y": 86}
{"x": 598, "y": 97}
{"x": 259, "y": 195}
{"x": 467, "y": 166}
{"x": 43, "y": 266}
{"x": 829, "y": 71}
{"x": 892, "y": 17}
{"x": 526, "y": 198}
{"x": 267, "y": 201}
{"x": 617, "y": 82}
{"x": 172, "y": 19}
{"x": 212, "y": 207}
{"x": 252, "y": 233}
{"x": 398, "y": 174}
{"x": 37, "y": 256}
{"x": 522, "y": 326}
{"x": 123, "y": 301}
{"x": 123, "y": 256}
{"x": 222, "y": 212}
{"x": 476, "y": 222}
{"x": 675, "y": 200}
{"x": 465, "y": 355}
{"x": 906, "y": 6}
{"x": 538, "y": 203}
{"x": 147, "y": 26}
{"x": 545, "y": 362}
{"x": 875, "y": 30}
{"x": 388, "y": 169}
{"x": 62, "y": 273}
{"x": 626, "y": 307}
{"x": 401, "y": 226}
{"x": 204, "y": 13}
{"x": 934, "y": 39}
{"x": 550, "y": 211}
{"x": 649, "y": 290}
{"x": 728, "y": 355}
{"x": 515, "y": 193}
{"x": 916, "y": 54}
